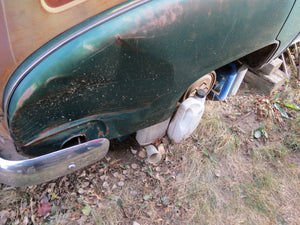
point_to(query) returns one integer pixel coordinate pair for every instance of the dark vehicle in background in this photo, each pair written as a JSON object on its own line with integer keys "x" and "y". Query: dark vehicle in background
{"x": 76, "y": 73}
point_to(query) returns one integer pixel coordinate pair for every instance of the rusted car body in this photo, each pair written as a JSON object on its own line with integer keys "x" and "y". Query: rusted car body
{"x": 76, "y": 73}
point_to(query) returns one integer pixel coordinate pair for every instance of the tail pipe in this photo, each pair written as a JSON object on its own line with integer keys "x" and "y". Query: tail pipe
{"x": 30, "y": 171}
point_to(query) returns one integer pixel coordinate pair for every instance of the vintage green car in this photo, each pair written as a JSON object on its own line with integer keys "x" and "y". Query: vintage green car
{"x": 76, "y": 73}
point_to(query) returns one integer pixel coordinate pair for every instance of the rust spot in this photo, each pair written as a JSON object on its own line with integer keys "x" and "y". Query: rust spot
{"x": 100, "y": 132}
{"x": 119, "y": 39}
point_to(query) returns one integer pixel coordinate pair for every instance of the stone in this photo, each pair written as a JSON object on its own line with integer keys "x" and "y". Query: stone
{"x": 134, "y": 166}
{"x": 135, "y": 223}
{"x": 133, "y": 193}
{"x": 121, "y": 184}
{"x": 133, "y": 151}
{"x": 217, "y": 173}
{"x": 105, "y": 184}
{"x": 116, "y": 174}
{"x": 80, "y": 191}
{"x": 103, "y": 177}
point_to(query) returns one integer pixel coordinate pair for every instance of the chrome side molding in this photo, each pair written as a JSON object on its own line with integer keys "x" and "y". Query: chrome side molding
{"x": 44, "y": 168}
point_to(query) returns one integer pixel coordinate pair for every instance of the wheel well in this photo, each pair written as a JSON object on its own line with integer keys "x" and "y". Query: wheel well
{"x": 258, "y": 58}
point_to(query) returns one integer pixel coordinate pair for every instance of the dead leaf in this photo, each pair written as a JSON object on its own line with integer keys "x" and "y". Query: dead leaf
{"x": 167, "y": 209}
{"x": 44, "y": 208}
{"x": 86, "y": 210}
{"x": 97, "y": 195}
{"x": 25, "y": 221}
{"x": 158, "y": 141}
{"x": 4, "y": 216}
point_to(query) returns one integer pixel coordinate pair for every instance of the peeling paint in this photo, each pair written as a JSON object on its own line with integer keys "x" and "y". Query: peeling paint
{"x": 49, "y": 80}
{"x": 166, "y": 15}
{"x": 67, "y": 127}
{"x": 88, "y": 47}
{"x": 26, "y": 95}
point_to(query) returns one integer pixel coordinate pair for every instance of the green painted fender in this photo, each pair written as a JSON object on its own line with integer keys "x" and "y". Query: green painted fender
{"x": 125, "y": 69}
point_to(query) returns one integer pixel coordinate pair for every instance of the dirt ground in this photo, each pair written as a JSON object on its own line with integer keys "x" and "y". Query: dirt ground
{"x": 241, "y": 166}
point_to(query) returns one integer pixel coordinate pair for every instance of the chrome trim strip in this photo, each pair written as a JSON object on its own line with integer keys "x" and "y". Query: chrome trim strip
{"x": 47, "y": 167}
{"x": 61, "y": 43}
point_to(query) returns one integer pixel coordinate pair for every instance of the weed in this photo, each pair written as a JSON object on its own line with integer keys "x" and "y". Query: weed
{"x": 220, "y": 136}
{"x": 259, "y": 193}
{"x": 269, "y": 153}
{"x": 292, "y": 139}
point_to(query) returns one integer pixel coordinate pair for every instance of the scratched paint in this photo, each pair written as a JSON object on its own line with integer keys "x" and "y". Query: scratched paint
{"x": 88, "y": 47}
{"x": 168, "y": 14}
{"x": 26, "y": 95}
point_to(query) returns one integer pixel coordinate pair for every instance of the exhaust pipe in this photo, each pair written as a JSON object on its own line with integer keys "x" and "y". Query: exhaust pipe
{"x": 153, "y": 154}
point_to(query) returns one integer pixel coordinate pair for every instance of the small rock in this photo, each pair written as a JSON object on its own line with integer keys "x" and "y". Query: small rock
{"x": 149, "y": 214}
{"x": 105, "y": 184}
{"x": 143, "y": 154}
{"x": 134, "y": 193}
{"x": 116, "y": 174}
{"x": 85, "y": 184}
{"x": 134, "y": 166}
{"x": 133, "y": 151}
{"x": 121, "y": 184}
{"x": 148, "y": 197}
{"x": 217, "y": 173}
{"x": 80, "y": 191}
{"x": 103, "y": 177}
{"x": 4, "y": 215}
{"x": 114, "y": 187}
{"x": 135, "y": 223}
{"x": 157, "y": 169}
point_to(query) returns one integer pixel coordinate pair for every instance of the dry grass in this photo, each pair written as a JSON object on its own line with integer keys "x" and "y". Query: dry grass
{"x": 220, "y": 175}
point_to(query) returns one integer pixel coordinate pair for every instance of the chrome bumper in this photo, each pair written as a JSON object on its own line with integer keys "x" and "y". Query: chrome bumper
{"x": 26, "y": 172}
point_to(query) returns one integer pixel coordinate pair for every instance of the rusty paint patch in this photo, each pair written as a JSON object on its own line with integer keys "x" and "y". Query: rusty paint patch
{"x": 61, "y": 128}
{"x": 167, "y": 16}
